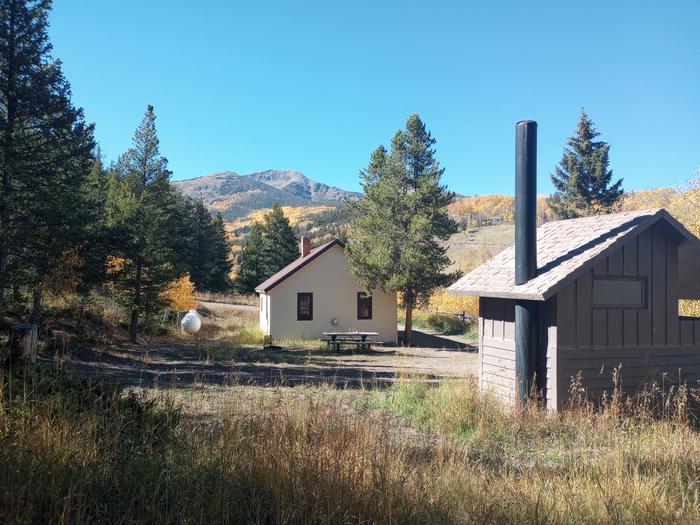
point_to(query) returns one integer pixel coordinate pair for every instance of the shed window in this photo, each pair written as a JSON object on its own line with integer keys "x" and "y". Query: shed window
{"x": 305, "y": 307}
{"x": 619, "y": 293}
{"x": 364, "y": 306}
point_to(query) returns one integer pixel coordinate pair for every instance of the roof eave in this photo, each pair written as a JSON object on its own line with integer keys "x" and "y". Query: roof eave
{"x": 499, "y": 295}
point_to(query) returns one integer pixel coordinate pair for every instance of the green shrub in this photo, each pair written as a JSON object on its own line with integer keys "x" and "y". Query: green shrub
{"x": 439, "y": 323}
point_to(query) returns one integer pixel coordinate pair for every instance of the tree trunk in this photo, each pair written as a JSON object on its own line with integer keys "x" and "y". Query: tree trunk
{"x": 36, "y": 304}
{"x": 133, "y": 327}
{"x": 9, "y": 93}
{"x": 408, "y": 329}
{"x": 134, "y": 323}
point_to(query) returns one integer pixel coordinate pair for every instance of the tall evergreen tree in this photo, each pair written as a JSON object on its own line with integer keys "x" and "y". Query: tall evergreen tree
{"x": 45, "y": 152}
{"x": 219, "y": 256}
{"x": 270, "y": 246}
{"x": 143, "y": 214}
{"x": 94, "y": 247}
{"x": 582, "y": 179}
{"x": 252, "y": 268}
{"x": 281, "y": 243}
{"x": 393, "y": 239}
{"x": 209, "y": 250}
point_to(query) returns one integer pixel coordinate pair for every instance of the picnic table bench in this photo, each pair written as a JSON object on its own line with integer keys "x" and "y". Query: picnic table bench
{"x": 361, "y": 340}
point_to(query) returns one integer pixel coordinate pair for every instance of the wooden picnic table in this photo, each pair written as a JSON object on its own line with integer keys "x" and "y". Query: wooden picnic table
{"x": 359, "y": 339}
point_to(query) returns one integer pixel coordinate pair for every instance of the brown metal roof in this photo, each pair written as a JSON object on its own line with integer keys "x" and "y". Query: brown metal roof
{"x": 565, "y": 249}
{"x": 295, "y": 266}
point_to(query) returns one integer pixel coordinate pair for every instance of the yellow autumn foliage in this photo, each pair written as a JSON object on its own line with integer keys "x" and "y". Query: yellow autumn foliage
{"x": 482, "y": 210}
{"x": 297, "y": 215}
{"x": 65, "y": 277}
{"x": 441, "y": 301}
{"x": 115, "y": 264}
{"x": 180, "y": 294}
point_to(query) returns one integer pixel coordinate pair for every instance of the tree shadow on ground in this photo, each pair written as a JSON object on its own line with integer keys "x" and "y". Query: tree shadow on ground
{"x": 182, "y": 366}
{"x": 439, "y": 342}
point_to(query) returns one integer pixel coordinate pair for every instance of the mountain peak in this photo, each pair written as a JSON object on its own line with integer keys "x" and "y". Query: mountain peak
{"x": 236, "y": 195}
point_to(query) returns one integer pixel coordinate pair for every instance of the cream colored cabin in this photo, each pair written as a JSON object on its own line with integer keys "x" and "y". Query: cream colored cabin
{"x": 317, "y": 294}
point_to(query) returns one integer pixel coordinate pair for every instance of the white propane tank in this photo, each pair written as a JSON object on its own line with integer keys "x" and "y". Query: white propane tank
{"x": 191, "y": 322}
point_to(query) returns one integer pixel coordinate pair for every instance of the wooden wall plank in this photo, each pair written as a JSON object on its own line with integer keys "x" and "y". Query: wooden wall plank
{"x": 488, "y": 317}
{"x": 658, "y": 292}
{"x": 498, "y": 314}
{"x": 615, "y": 318}
{"x": 584, "y": 310}
{"x": 481, "y": 336}
{"x": 640, "y": 365}
{"x": 599, "y": 316}
{"x": 601, "y": 354}
{"x": 615, "y": 263}
{"x": 615, "y": 327}
{"x": 672, "y": 321}
{"x": 644, "y": 261}
{"x": 630, "y": 317}
{"x": 686, "y": 329}
{"x": 509, "y": 320}
{"x": 629, "y": 256}
{"x": 566, "y": 320}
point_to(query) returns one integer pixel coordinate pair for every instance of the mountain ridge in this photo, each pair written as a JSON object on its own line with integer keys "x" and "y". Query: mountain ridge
{"x": 235, "y": 195}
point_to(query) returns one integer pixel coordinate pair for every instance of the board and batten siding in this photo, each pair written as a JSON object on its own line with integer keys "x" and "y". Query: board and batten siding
{"x": 497, "y": 347}
{"x": 334, "y": 297}
{"x": 645, "y": 342}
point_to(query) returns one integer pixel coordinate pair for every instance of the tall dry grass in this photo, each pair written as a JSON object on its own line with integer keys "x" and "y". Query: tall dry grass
{"x": 74, "y": 452}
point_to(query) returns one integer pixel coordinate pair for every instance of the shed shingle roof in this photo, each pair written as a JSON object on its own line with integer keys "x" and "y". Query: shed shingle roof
{"x": 295, "y": 266}
{"x": 564, "y": 250}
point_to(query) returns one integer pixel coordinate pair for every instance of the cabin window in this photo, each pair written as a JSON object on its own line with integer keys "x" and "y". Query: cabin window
{"x": 305, "y": 307}
{"x": 364, "y": 306}
{"x": 619, "y": 292}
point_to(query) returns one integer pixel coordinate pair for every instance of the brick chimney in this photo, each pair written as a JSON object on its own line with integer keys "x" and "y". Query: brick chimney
{"x": 304, "y": 246}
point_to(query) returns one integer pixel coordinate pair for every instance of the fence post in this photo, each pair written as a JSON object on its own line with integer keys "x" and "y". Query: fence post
{"x": 24, "y": 340}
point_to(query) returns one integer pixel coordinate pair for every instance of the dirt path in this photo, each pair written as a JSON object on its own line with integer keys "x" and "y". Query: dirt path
{"x": 185, "y": 364}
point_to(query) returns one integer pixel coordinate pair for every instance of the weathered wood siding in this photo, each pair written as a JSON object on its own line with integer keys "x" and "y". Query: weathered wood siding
{"x": 653, "y": 255}
{"x": 647, "y": 342}
{"x": 637, "y": 366}
{"x": 547, "y": 357}
{"x": 497, "y": 347}
{"x": 690, "y": 331}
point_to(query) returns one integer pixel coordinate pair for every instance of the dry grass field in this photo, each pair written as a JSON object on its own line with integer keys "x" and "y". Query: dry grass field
{"x": 203, "y": 432}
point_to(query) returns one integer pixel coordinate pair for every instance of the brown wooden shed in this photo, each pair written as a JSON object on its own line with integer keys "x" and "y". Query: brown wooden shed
{"x": 608, "y": 289}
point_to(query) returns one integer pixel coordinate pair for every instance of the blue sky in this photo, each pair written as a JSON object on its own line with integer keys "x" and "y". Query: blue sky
{"x": 316, "y": 86}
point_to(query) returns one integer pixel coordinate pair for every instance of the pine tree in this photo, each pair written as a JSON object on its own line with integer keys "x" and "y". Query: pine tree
{"x": 45, "y": 152}
{"x": 270, "y": 246}
{"x": 582, "y": 179}
{"x": 393, "y": 238}
{"x": 143, "y": 211}
{"x": 209, "y": 260}
{"x": 93, "y": 249}
{"x": 281, "y": 243}
{"x": 251, "y": 269}
{"x": 219, "y": 256}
